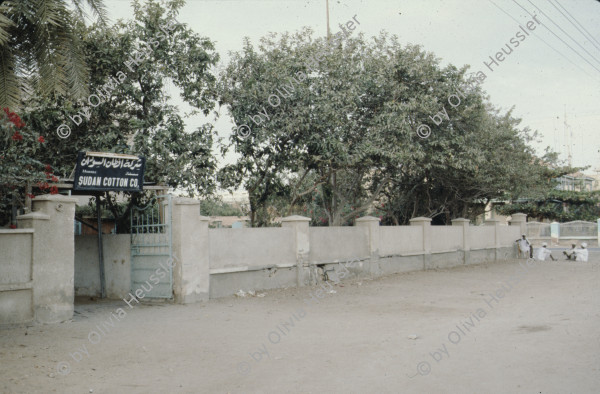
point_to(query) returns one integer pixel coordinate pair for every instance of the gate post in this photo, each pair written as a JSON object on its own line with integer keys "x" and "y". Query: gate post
{"x": 191, "y": 274}
{"x": 466, "y": 245}
{"x": 299, "y": 224}
{"x": 425, "y": 224}
{"x": 519, "y": 219}
{"x": 496, "y": 224}
{"x": 371, "y": 224}
{"x": 53, "y": 256}
{"x": 555, "y": 231}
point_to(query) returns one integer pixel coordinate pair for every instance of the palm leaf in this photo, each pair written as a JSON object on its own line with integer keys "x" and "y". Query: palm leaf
{"x": 75, "y": 66}
{"x": 9, "y": 83}
{"x": 5, "y": 25}
{"x": 98, "y": 9}
{"x": 41, "y": 49}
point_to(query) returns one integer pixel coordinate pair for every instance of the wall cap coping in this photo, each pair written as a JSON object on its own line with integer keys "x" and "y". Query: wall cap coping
{"x": 491, "y": 222}
{"x": 34, "y": 215}
{"x": 17, "y": 231}
{"x": 295, "y": 218}
{"x": 54, "y": 197}
{"x": 446, "y": 251}
{"x": 185, "y": 201}
{"x": 16, "y": 286}
{"x": 519, "y": 216}
{"x": 420, "y": 219}
{"x": 461, "y": 220}
{"x": 227, "y": 270}
{"x": 367, "y": 219}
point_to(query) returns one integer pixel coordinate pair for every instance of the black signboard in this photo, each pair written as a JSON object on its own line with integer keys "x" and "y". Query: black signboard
{"x": 109, "y": 172}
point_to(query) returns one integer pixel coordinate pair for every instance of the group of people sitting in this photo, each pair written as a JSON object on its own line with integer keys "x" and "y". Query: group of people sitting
{"x": 578, "y": 254}
{"x": 575, "y": 253}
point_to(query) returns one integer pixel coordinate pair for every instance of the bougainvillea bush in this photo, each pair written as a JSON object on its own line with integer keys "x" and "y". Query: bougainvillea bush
{"x": 23, "y": 174}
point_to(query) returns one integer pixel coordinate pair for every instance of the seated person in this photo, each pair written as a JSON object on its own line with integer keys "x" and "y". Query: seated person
{"x": 570, "y": 253}
{"x": 581, "y": 254}
{"x": 543, "y": 252}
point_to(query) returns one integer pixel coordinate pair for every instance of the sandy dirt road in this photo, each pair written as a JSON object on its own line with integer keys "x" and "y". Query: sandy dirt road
{"x": 490, "y": 328}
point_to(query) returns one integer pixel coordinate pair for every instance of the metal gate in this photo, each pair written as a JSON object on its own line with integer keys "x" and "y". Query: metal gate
{"x": 151, "y": 248}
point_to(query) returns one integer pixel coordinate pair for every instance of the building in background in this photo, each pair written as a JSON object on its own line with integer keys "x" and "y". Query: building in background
{"x": 578, "y": 182}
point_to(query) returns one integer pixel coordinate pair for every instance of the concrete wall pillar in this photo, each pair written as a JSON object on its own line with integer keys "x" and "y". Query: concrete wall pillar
{"x": 371, "y": 224}
{"x": 519, "y": 219}
{"x": 496, "y": 224}
{"x": 466, "y": 245}
{"x": 555, "y": 231}
{"x": 299, "y": 224}
{"x": 53, "y": 256}
{"x": 191, "y": 274}
{"x": 425, "y": 224}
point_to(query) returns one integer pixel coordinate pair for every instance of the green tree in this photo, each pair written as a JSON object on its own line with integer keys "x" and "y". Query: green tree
{"x": 557, "y": 205}
{"x": 215, "y": 207}
{"x": 317, "y": 130}
{"x": 40, "y": 49}
{"x": 22, "y": 165}
{"x": 349, "y": 127}
{"x": 134, "y": 115}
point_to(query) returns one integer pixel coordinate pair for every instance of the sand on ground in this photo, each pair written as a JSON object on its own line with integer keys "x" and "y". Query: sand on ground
{"x": 489, "y": 328}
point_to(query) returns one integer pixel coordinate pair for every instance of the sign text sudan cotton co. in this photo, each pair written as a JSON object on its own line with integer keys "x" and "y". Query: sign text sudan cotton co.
{"x": 108, "y": 172}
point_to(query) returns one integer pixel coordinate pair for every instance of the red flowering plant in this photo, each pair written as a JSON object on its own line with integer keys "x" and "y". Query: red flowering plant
{"x": 21, "y": 168}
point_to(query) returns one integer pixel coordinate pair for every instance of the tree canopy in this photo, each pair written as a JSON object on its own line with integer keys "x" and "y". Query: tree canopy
{"x": 557, "y": 205}
{"x": 345, "y": 133}
{"x": 331, "y": 129}
{"x": 128, "y": 109}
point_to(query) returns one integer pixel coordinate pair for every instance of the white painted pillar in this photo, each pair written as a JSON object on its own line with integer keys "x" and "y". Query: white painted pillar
{"x": 299, "y": 224}
{"x": 191, "y": 253}
{"x": 371, "y": 225}
{"x": 53, "y": 256}
{"x": 425, "y": 224}
{"x": 466, "y": 245}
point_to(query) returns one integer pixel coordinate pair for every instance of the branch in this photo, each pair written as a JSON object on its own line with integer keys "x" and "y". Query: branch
{"x": 80, "y": 220}
{"x": 367, "y": 204}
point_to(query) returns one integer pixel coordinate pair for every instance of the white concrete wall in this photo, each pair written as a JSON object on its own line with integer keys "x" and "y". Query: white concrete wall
{"x": 395, "y": 240}
{"x": 337, "y": 243}
{"x": 42, "y": 264}
{"x": 16, "y": 276}
{"x": 251, "y": 247}
{"x": 508, "y": 235}
{"x": 446, "y": 238}
{"x": 376, "y": 250}
{"x": 219, "y": 262}
{"x": 481, "y": 237}
{"x": 15, "y": 256}
{"x": 117, "y": 265}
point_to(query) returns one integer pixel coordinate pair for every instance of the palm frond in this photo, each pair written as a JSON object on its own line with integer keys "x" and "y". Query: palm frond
{"x": 48, "y": 12}
{"x": 98, "y": 10}
{"x": 46, "y": 49}
{"x": 10, "y": 93}
{"x": 75, "y": 66}
{"x": 5, "y": 25}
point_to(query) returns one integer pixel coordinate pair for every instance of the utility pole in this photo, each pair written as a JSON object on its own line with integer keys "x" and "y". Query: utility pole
{"x": 568, "y": 136}
{"x": 328, "y": 30}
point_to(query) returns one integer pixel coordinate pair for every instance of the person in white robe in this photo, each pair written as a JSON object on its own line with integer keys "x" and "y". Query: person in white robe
{"x": 581, "y": 254}
{"x": 571, "y": 252}
{"x": 524, "y": 246}
{"x": 542, "y": 253}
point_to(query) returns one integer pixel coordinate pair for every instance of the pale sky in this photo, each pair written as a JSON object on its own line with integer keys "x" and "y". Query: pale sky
{"x": 539, "y": 82}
